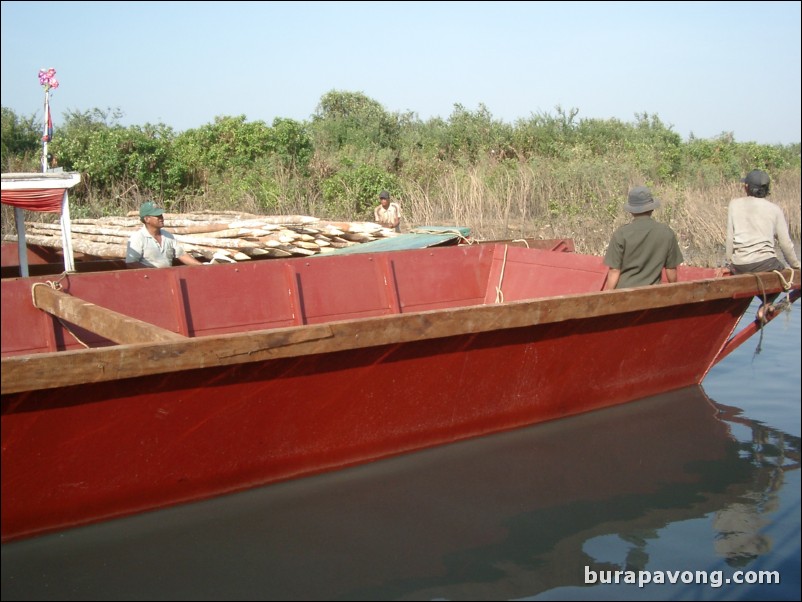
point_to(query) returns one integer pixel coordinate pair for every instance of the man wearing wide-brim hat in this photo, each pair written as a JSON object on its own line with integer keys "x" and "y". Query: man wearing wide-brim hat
{"x": 639, "y": 251}
{"x": 152, "y": 247}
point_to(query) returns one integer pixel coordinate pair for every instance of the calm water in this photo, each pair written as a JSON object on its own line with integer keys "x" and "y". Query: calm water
{"x": 702, "y": 480}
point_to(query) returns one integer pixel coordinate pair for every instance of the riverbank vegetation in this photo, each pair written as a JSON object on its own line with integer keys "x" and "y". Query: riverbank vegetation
{"x": 549, "y": 175}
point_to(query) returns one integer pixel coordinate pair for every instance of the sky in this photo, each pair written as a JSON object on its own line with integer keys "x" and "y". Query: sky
{"x": 704, "y": 68}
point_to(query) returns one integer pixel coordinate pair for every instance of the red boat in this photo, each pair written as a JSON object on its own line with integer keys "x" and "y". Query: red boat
{"x": 124, "y": 391}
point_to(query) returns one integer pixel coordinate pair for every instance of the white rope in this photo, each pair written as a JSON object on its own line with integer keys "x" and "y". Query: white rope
{"x": 499, "y": 292}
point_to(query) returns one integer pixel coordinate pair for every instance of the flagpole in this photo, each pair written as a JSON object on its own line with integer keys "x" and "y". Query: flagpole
{"x": 45, "y": 131}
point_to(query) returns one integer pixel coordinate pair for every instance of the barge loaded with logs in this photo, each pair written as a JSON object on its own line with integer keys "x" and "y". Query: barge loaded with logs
{"x": 130, "y": 390}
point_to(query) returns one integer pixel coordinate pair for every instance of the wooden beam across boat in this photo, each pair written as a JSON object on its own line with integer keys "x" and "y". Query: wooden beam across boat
{"x": 109, "y": 324}
{"x": 66, "y": 368}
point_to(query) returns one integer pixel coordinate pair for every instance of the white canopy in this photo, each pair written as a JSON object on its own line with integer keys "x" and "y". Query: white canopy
{"x": 40, "y": 192}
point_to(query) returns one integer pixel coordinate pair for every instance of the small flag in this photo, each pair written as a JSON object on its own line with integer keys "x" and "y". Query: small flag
{"x": 48, "y": 124}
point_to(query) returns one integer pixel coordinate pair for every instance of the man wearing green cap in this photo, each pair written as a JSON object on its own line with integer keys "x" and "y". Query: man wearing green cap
{"x": 152, "y": 247}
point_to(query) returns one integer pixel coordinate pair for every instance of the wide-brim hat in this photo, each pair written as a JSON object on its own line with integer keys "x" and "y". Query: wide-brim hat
{"x": 640, "y": 200}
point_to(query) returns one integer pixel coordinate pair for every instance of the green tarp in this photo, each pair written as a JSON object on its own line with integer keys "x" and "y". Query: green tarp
{"x": 418, "y": 238}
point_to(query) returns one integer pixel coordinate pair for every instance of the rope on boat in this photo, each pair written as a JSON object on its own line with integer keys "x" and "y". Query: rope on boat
{"x": 786, "y": 283}
{"x": 56, "y": 286}
{"x": 499, "y": 292}
{"x": 460, "y": 235}
{"x": 784, "y": 305}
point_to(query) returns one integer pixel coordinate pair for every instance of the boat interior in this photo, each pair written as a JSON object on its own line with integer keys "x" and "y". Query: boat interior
{"x": 200, "y": 301}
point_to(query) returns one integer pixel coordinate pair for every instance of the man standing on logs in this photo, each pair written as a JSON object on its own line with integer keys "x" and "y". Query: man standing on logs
{"x": 152, "y": 247}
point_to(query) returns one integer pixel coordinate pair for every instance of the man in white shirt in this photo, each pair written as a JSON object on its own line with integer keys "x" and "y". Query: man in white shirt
{"x": 152, "y": 247}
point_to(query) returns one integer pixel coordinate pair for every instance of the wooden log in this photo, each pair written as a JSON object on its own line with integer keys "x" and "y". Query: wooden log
{"x": 199, "y": 229}
{"x": 224, "y": 243}
{"x": 363, "y": 227}
{"x": 357, "y": 237}
{"x": 87, "y": 238}
{"x": 281, "y": 220}
{"x": 310, "y": 246}
{"x": 122, "y": 222}
{"x": 81, "y": 229}
{"x": 109, "y": 324}
{"x": 208, "y": 252}
{"x": 273, "y": 252}
{"x": 78, "y": 245}
{"x": 301, "y": 252}
{"x": 330, "y": 230}
{"x": 226, "y": 233}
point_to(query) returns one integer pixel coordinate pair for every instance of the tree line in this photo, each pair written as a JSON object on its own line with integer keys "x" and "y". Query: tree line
{"x": 334, "y": 164}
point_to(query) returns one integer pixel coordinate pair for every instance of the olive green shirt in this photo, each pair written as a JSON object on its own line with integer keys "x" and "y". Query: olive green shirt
{"x": 641, "y": 249}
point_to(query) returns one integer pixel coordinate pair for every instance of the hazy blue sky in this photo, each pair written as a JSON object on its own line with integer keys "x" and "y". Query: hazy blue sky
{"x": 702, "y": 67}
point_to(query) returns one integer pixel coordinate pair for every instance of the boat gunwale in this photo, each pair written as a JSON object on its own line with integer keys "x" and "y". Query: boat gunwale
{"x": 72, "y": 367}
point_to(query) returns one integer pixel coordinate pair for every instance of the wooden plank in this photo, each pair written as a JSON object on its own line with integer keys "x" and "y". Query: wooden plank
{"x": 104, "y": 322}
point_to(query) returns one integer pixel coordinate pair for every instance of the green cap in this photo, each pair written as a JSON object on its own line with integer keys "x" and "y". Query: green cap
{"x": 150, "y": 208}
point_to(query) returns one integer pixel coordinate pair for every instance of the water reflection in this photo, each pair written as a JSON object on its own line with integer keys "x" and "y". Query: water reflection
{"x": 508, "y": 516}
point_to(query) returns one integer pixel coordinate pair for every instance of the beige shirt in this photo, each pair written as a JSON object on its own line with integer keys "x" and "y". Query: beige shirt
{"x": 387, "y": 217}
{"x": 753, "y": 225}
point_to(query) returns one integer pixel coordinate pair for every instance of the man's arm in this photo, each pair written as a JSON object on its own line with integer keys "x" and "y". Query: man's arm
{"x": 671, "y": 274}
{"x": 188, "y": 259}
{"x": 612, "y": 279}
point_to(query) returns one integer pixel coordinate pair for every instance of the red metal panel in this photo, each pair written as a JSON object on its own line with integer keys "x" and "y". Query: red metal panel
{"x": 341, "y": 288}
{"x": 149, "y": 295}
{"x": 458, "y": 279}
{"x": 237, "y": 297}
{"x": 25, "y": 328}
{"x": 521, "y": 273}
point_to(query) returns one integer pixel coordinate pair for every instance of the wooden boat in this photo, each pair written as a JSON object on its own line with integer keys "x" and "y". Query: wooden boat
{"x": 198, "y": 381}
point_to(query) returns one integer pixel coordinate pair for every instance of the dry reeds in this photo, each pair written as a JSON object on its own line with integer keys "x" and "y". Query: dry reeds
{"x": 543, "y": 200}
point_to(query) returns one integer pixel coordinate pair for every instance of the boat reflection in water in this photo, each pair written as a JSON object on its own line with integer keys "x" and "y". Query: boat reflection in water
{"x": 506, "y": 516}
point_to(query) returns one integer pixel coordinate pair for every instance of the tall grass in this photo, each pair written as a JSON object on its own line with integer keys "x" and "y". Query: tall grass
{"x": 544, "y": 198}
{"x": 585, "y": 203}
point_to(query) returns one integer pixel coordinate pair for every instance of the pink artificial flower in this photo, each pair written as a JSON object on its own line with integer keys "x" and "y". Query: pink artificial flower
{"x": 47, "y": 78}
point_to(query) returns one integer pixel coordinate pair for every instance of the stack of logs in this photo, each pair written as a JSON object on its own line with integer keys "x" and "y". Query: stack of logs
{"x": 223, "y": 236}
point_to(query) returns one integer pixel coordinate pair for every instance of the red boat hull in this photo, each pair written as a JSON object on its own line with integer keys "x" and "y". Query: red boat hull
{"x": 90, "y": 452}
{"x": 298, "y": 367}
